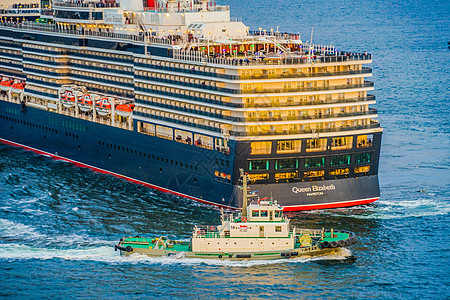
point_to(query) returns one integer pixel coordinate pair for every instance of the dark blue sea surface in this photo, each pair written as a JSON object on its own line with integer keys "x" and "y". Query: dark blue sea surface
{"x": 59, "y": 223}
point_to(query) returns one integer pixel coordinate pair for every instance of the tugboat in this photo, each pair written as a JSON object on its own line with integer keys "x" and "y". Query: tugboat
{"x": 259, "y": 232}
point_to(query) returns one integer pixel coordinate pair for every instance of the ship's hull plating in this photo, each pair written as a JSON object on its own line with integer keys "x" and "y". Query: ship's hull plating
{"x": 161, "y": 164}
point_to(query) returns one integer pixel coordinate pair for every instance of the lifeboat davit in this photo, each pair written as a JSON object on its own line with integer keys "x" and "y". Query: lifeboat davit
{"x": 18, "y": 87}
{"x": 6, "y": 84}
{"x": 68, "y": 99}
{"x": 124, "y": 109}
{"x": 85, "y": 102}
{"x": 103, "y": 106}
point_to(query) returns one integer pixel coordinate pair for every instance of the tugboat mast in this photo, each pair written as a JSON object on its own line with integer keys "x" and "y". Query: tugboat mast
{"x": 244, "y": 192}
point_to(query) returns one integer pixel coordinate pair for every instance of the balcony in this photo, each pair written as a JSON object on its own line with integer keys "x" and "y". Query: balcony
{"x": 309, "y": 89}
{"x": 371, "y": 111}
{"x": 307, "y": 103}
{"x": 308, "y": 75}
{"x": 373, "y": 124}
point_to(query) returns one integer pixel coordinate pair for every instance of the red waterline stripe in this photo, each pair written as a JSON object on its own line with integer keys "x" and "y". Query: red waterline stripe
{"x": 82, "y": 165}
{"x": 330, "y": 205}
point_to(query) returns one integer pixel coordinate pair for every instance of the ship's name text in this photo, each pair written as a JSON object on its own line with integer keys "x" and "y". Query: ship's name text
{"x": 314, "y": 188}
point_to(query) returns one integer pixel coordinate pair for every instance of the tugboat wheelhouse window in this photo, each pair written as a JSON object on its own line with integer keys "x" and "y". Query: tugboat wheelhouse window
{"x": 314, "y": 162}
{"x": 255, "y": 213}
{"x": 264, "y": 213}
{"x": 255, "y": 165}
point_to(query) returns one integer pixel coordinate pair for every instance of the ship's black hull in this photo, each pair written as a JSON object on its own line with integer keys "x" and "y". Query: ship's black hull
{"x": 164, "y": 164}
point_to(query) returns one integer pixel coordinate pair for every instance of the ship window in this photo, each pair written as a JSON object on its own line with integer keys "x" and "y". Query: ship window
{"x": 281, "y": 164}
{"x": 289, "y": 146}
{"x": 337, "y": 172}
{"x": 314, "y": 162}
{"x": 312, "y": 174}
{"x": 264, "y": 213}
{"x": 278, "y": 214}
{"x": 164, "y": 132}
{"x": 255, "y": 213}
{"x": 362, "y": 158}
{"x": 286, "y": 175}
{"x": 258, "y": 165}
{"x": 277, "y": 228}
{"x": 364, "y": 169}
{"x": 339, "y": 160}
{"x": 364, "y": 141}
{"x": 316, "y": 145}
{"x": 342, "y": 143}
{"x": 203, "y": 141}
{"x": 256, "y": 177}
{"x": 261, "y": 148}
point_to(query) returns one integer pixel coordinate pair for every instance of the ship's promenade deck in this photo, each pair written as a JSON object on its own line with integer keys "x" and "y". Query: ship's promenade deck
{"x": 307, "y": 54}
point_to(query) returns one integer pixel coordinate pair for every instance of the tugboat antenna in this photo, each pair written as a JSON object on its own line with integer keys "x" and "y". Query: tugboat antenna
{"x": 244, "y": 193}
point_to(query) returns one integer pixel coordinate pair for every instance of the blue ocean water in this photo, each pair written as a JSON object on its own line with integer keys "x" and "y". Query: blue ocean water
{"x": 58, "y": 223}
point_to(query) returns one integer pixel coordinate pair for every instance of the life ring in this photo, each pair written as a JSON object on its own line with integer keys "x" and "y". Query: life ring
{"x": 212, "y": 228}
{"x": 244, "y": 219}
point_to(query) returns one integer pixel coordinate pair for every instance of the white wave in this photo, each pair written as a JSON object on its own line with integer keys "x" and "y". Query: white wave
{"x": 10, "y": 229}
{"x": 399, "y": 209}
{"x": 13, "y": 229}
{"x": 108, "y": 255}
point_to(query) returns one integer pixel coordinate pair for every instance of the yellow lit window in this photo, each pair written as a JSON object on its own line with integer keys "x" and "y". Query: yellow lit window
{"x": 364, "y": 141}
{"x": 286, "y": 175}
{"x": 255, "y": 177}
{"x": 314, "y": 173}
{"x": 341, "y": 143}
{"x": 261, "y": 148}
{"x": 293, "y": 146}
{"x": 336, "y": 172}
{"x": 364, "y": 169}
{"x": 316, "y": 145}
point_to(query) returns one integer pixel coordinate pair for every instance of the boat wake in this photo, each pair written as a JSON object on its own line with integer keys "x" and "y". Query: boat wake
{"x": 107, "y": 254}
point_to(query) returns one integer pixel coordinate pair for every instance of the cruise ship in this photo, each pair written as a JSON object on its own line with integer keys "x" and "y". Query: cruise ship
{"x": 177, "y": 95}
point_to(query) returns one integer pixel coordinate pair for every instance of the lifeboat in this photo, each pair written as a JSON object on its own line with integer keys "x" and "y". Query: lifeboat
{"x": 68, "y": 99}
{"x": 85, "y": 102}
{"x": 103, "y": 106}
{"x": 18, "y": 87}
{"x": 124, "y": 109}
{"x": 6, "y": 84}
